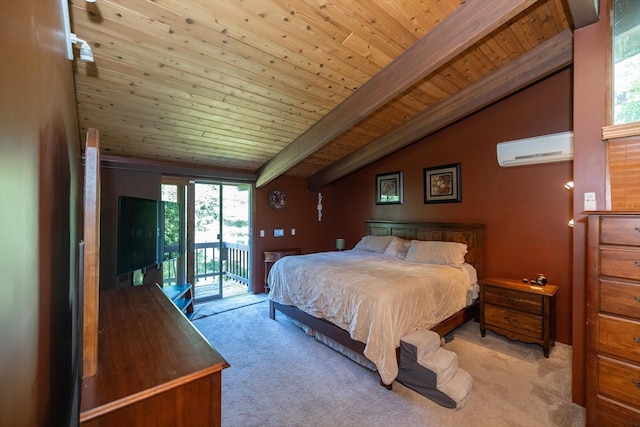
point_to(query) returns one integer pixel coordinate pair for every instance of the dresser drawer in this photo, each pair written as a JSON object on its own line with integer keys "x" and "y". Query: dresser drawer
{"x": 514, "y": 321}
{"x": 620, "y": 231}
{"x": 611, "y": 414}
{"x": 517, "y": 300}
{"x": 620, "y": 338}
{"x": 620, "y": 262}
{"x": 620, "y": 381}
{"x": 620, "y": 298}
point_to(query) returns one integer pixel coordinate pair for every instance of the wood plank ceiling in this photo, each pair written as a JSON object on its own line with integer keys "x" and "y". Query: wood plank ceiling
{"x": 310, "y": 88}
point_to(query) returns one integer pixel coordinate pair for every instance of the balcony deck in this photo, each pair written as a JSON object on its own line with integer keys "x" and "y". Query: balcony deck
{"x": 232, "y": 264}
{"x": 230, "y": 288}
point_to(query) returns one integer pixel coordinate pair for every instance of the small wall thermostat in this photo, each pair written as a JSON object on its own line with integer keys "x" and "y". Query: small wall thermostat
{"x": 589, "y": 201}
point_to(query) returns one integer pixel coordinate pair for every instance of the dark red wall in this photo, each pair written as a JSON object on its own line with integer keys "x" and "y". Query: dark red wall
{"x": 300, "y": 213}
{"x": 590, "y": 53}
{"x": 525, "y": 209}
{"x": 40, "y": 217}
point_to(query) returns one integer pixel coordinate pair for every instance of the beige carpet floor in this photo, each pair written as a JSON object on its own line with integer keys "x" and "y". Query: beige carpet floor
{"x": 209, "y": 308}
{"x": 281, "y": 377}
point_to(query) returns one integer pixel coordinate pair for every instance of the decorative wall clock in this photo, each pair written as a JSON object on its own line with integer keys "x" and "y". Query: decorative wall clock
{"x": 277, "y": 199}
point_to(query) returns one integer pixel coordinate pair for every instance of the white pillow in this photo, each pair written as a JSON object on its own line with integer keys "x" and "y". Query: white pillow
{"x": 398, "y": 247}
{"x": 434, "y": 252}
{"x": 374, "y": 243}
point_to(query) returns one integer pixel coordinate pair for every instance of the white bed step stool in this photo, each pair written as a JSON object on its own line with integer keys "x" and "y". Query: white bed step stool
{"x": 432, "y": 370}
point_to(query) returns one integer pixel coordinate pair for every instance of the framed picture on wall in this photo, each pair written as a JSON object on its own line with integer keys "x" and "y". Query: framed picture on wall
{"x": 442, "y": 184}
{"x": 389, "y": 188}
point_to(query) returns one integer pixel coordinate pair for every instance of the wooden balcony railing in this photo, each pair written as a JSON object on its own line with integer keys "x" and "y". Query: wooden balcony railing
{"x": 234, "y": 261}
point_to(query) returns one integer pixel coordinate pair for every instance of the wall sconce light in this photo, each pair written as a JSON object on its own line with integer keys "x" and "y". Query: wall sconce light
{"x": 569, "y": 186}
{"x": 340, "y": 244}
{"x": 86, "y": 54}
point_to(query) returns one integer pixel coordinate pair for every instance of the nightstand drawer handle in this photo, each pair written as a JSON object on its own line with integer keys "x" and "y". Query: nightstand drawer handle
{"x": 637, "y": 339}
{"x": 637, "y": 299}
{"x": 636, "y": 383}
{"x": 516, "y": 299}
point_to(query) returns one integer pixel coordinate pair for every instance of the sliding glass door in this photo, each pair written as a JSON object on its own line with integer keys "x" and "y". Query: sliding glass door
{"x": 215, "y": 236}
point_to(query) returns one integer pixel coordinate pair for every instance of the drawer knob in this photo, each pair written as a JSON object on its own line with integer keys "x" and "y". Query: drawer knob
{"x": 510, "y": 320}
{"x": 637, "y": 339}
{"x": 637, "y": 299}
{"x": 638, "y": 263}
{"x": 636, "y": 383}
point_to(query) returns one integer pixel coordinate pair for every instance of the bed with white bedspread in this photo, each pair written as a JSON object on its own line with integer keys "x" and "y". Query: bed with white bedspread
{"x": 401, "y": 277}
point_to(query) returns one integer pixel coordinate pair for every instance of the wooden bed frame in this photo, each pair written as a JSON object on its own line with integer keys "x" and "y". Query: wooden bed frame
{"x": 470, "y": 234}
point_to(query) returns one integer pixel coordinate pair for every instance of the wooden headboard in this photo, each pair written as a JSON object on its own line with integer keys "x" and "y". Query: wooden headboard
{"x": 470, "y": 234}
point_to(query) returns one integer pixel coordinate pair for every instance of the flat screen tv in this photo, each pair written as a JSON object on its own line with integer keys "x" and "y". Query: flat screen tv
{"x": 137, "y": 233}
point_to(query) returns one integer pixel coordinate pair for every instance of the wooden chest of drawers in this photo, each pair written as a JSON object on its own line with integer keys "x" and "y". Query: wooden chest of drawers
{"x": 519, "y": 311}
{"x": 154, "y": 368}
{"x": 613, "y": 319}
{"x": 270, "y": 257}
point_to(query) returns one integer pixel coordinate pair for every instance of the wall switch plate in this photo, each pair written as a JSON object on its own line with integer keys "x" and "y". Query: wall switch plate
{"x": 589, "y": 201}
{"x": 293, "y": 231}
{"x": 278, "y": 232}
{"x": 261, "y": 233}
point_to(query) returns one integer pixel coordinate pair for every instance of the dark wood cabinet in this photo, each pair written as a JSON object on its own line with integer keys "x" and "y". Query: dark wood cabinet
{"x": 154, "y": 367}
{"x": 270, "y": 257}
{"x": 519, "y": 311}
{"x": 613, "y": 319}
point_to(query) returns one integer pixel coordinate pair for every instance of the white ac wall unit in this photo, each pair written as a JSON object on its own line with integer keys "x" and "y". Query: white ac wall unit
{"x": 555, "y": 147}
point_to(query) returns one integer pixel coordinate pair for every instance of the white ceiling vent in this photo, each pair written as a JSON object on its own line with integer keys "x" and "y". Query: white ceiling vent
{"x": 555, "y": 147}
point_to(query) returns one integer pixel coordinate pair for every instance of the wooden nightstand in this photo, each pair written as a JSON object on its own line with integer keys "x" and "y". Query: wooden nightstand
{"x": 270, "y": 257}
{"x": 519, "y": 311}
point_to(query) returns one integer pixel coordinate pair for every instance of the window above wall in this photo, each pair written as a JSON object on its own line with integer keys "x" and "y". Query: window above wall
{"x": 625, "y": 70}
{"x": 626, "y": 61}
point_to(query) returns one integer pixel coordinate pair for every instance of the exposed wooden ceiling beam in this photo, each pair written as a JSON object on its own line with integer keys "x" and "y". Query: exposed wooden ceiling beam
{"x": 174, "y": 168}
{"x": 468, "y": 24}
{"x": 584, "y": 12}
{"x": 538, "y": 63}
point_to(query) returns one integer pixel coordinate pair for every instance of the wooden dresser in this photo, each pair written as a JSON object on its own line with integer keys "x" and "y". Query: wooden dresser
{"x": 270, "y": 257}
{"x": 519, "y": 311}
{"x": 613, "y": 319}
{"x": 154, "y": 367}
